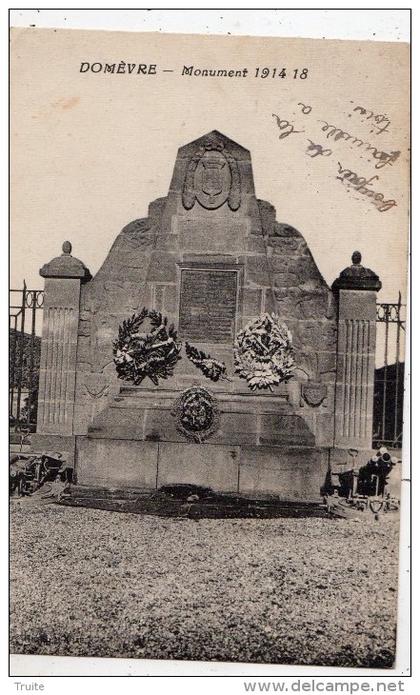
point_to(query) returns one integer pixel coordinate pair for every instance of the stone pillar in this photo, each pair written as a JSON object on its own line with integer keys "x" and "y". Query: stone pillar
{"x": 356, "y": 289}
{"x": 63, "y": 277}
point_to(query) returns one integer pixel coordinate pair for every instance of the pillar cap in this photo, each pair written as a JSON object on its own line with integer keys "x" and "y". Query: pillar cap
{"x": 65, "y": 266}
{"x": 357, "y": 277}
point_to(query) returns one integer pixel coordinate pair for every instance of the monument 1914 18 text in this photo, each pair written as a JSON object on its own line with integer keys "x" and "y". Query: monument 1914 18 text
{"x": 208, "y": 349}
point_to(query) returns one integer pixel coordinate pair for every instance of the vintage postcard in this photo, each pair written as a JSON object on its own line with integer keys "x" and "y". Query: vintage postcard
{"x": 209, "y": 243}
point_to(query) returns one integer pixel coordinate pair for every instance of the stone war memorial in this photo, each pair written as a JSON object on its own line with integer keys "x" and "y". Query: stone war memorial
{"x": 208, "y": 349}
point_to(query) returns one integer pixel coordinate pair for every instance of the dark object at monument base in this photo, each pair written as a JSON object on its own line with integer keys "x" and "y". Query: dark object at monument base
{"x": 182, "y": 492}
{"x": 27, "y": 473}
{"x": 365, "y": 488}
{"x": 171, "y": 501}
{"x": 369, "y": 480}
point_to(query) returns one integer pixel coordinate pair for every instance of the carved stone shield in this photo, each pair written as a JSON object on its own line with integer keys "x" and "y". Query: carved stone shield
{"x": 196, "y": 413}
{"x": 212, "y": 180}
{"x": 212, "y": 176}
{"x": 314, "y": 393}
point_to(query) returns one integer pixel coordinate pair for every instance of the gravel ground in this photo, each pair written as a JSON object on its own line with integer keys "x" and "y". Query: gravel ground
{"x": 289, "y": 591}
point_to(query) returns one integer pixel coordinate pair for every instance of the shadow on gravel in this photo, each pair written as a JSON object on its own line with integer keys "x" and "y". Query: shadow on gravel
{"x": 189, "y": 501}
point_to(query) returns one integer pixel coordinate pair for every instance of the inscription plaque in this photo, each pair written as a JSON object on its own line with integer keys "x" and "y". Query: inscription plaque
{"x": 208, "y": 305}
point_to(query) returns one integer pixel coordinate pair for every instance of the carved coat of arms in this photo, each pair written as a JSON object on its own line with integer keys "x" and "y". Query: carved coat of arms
{"x": 212, "y": 178}
{"x": 196, "y": 413}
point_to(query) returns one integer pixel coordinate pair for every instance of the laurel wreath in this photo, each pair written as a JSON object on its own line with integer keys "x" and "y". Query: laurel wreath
{"x": 211, "y": 368}
{"x": 263, "y": 353}
{"x": 139, "y": 355}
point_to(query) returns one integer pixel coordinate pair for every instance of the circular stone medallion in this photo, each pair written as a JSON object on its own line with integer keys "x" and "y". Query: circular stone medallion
{"x": 196, "y": 413}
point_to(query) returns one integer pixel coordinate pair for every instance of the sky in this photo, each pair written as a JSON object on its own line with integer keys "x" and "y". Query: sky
{"x": 90, "y": 151}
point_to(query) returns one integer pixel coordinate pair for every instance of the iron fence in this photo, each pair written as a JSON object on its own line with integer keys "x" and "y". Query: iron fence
{"x": 389, "y": 376}
{"x": 24, "y": 356}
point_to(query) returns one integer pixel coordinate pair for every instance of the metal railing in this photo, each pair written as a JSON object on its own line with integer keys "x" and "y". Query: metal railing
{"x": 24, "y": 355}
{"x": 389, "y": 378}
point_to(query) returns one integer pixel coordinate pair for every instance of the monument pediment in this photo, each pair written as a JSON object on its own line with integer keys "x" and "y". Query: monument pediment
{"x": 215, "y": 139}
{"x": 213, "y": 169}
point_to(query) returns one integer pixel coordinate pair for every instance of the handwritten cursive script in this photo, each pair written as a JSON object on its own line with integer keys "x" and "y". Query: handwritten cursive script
{"x": 360, "y": 184}
{"x": 286, "y": 126}
{"x": 339, "y": 134}
{"x": 377, "y": 119}
{"x": 313, "y": 150}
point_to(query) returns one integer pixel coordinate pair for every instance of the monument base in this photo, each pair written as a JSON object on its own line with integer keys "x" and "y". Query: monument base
{"x": 295, "y": 473}
{"x": 261, "y": 446}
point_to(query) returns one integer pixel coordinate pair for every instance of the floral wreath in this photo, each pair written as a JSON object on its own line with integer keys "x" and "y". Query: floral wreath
{"x": 263, "y": 353}
{"x": 139, "y": 355}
